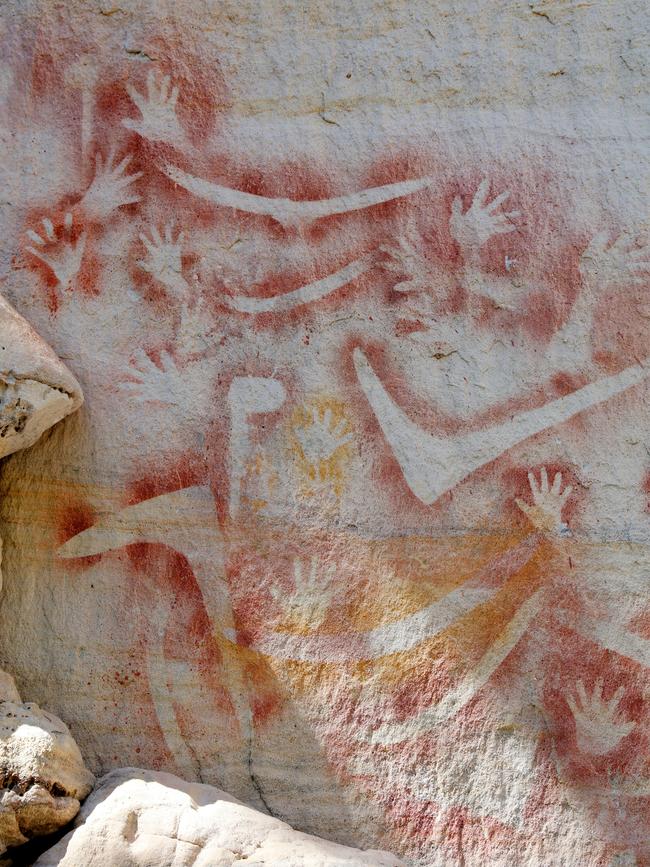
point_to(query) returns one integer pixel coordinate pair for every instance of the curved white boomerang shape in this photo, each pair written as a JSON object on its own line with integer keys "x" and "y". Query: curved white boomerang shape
{"x": 305, "y": 294}
{"x": 401, "y": 635}
{"x": 290, "y": 212}
{"x": 623, "y": 642}
{"x": 375, "y": 643}
{"x": 162, "y": 698}
{"x": 433, "y": 465}
{"x": 184, "y": 520}
{"x": 469, "y": 686}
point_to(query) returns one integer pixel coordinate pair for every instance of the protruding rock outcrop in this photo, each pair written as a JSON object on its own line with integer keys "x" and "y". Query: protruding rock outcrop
{"x": 43, "y": 778}
{"x": 36, "y": 389}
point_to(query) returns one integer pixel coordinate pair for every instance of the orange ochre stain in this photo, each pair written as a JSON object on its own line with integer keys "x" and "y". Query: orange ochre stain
{"x": 325, "y": 410}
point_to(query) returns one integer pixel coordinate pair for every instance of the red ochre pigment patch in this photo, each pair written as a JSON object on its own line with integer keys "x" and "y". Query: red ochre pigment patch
{"x": 74, "y": 517}
{"x": 171, "y": 473}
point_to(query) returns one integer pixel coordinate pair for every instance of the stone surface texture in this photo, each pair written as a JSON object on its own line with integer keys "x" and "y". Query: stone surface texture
{"x": 353, "y": 522}
{"x": 8, "y": 689}
{"x": 138, "y": 818}
{"x": 36, "y": 389}
{"x": 42, "y": 775}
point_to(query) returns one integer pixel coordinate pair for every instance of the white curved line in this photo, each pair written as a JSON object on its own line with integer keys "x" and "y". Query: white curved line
{"x": 389, "y": 638}
{"x": 623, "y": 642}
{"x": 290, "y": 212}
{"x": 305, "y": 294}
{"x": 401, "y": 635}
{"x": 185, "y": 520}
{"x": 433, "y": 465}
{"x": 469, "y": 686}
{"x": 163, "y": 702}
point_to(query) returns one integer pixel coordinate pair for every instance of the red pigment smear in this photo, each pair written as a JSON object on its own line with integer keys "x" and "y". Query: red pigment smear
{"x": 545, "y": 245}
{"x": 396, "y": 167}
{"x": 621, "y": 327}
{"x": 265, "y": 706}
{"x": 421, "y": 687}
{"x": 404, "y": 327}
{"x": 73, "y": 518}
{"x": 253, "y": 607}
{"x": 189, "y": 634}
{"x": 172, "y": 472}
{"x": 163, "y": 590}
{"x": 411, "y": 819}
{"x": 428, "y": 416}
{"x": 266, "y": 694}
{"x": 295, "y": 180}
{"x": 43, "y": 273}
{"x": 641, "y": 624}
{"x": 162, "y": 576}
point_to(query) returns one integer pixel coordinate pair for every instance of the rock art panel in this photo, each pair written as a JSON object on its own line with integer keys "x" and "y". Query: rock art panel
{"x": 355, "y": 523}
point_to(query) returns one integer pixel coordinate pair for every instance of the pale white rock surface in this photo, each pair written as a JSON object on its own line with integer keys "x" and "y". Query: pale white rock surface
{"x": 43, "y": 778}
{"x": 36, "y": 389}
{"x": 137, "y": 818}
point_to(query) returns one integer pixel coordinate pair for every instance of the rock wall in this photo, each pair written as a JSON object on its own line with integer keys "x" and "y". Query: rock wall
{"x": 354, "y": 521}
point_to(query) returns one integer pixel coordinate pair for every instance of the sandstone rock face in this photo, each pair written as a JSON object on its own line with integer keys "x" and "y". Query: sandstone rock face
{"x": 354, "y": 524}
{"x": 8, "y": 689}
{"x": 42, "y": 774}
{"x": 36, "y": 389}
{"x": 140, "y": 818}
